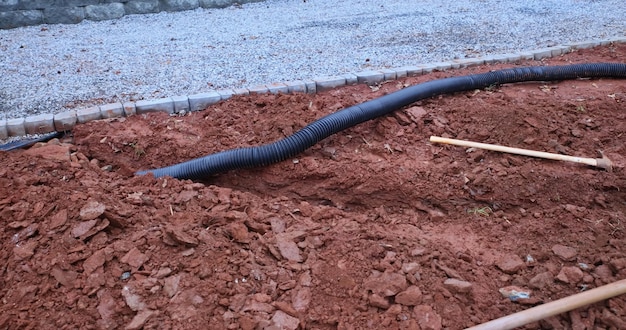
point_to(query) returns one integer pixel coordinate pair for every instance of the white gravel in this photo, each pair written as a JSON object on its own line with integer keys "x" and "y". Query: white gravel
{"x": 52, "y": 68}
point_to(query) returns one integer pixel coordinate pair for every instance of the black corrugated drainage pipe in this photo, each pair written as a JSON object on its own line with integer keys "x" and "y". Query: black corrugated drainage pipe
{"x": 326, "y": 126}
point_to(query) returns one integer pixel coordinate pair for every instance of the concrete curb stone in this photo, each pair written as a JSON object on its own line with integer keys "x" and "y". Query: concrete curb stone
{"x": 542, "y": 53}
{"x": 181, "y": 104}
{"x": 225, "y": 94}
{"x": 400, "y": 73}
{"x": 311, "y": 86}
{"x": 351, "y": 78}
{"x": 428, "y": 68}
{"x": 198, "y": 102}
{"x": 442, "y": 66}
{"x": 467, "y": 62}
{"x": 3, "y": 129}
{"x": 130, "y": 108}
{"x": 39, "y": 124}
{"x": 112, "y": 110}
{"x": 413, "y": 70}
{"x": 390, "y": 74}
{"x": 276, "y": 88}
{"x": 296, "y": 86}
{"x": 88, "y": 114}
{"x": 241, "y": 91}
{"x": 370, "y": 77}
{"x": 165, "y": 104}
{"x": 65, "y": 121}
{"x": 15, "y": 127}
{"x": 261, "y": 89}
{"x": 327, "y": 83}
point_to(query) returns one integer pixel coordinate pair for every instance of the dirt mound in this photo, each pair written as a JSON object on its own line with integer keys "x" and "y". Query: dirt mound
{"x": 374, "y": 227}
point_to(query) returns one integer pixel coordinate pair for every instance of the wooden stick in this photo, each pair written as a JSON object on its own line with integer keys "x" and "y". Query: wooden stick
{"x": 566, "y": 304}
{"x": 597, "y": 162}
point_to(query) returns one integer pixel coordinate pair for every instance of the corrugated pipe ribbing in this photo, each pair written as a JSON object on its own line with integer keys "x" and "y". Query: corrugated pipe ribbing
{"x": 324, "y": 127}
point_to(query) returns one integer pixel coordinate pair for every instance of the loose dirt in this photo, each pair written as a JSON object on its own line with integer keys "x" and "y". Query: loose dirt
{"x": 374, "y": 227}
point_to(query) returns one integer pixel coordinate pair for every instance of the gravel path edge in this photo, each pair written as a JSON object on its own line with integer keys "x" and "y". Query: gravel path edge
{"x": 17, "y": 128}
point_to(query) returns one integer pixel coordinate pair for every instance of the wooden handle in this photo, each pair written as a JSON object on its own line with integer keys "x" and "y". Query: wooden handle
{"x": 555, "y": 307}
{"x": 517, "y": 151}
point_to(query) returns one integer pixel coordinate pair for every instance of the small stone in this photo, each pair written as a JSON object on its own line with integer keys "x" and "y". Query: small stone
{"x": 163, "y": 272}
{"x": 301, "y": 299}
{"x": 106, "y": 309}
{"x": 418, "y": 252}
{"x": 247, "y": 323}
{"x": 255, "y": 306}
{"x": 416, "y": 113}
{"x": 92, "y": 210}
{"x": 410, "y": 267}
{"x": 577, "y": 133}
{"x": 170, "y": 287}
{"x": 25, "y": 250}
{"x": 541, "y": 280}
{"x": 278, "y": 225}
{"x": 387, "y": 284}
{"x": 83, "y": 227}
{"x": 140, "y": 319}
{"x": 427, "y": 318}
{"x": 59, "y": 219}
{"x": 288, "y": 248}
{"x": 378, "y": 301}
{"x": 179, "y": 236}
{"x": 286, "y": 307}
{"x": 188, "y": 252}
{"x": 394, "y": 309}
{"x": 510, "y": 264}
{"x": 603, "y": 272}
{"x": 514, "y": 293}
{"x": 285, "y": 321}
{"x": 134, "y": 258}
{"x": 457, "y": 286}
{"x": 618, "y": 264}
{"x": 66, "y": 278}
{"x": 51, "y": 151}
{"x": 410, "y": 297}
{"x": 18, "y": 224}
{"x": 566, "y": 253}
{"x": 95, "y": 261}
{"x": 133, "y": 301}
{"x": 612, "y": 320}
{"x": 262, "y": 297}
{"x": 570, "y": 275}
{"x": 185, "y": 196}
{"x": 239, "y": 232}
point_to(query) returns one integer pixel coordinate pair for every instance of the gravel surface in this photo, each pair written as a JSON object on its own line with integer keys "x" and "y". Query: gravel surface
{"x": 52, "y": 68}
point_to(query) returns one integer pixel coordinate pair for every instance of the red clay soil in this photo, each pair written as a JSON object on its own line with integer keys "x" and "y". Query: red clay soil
{"x": 374, "y": 227}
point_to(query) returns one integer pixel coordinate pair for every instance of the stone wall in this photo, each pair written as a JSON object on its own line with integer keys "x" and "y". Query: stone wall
{"x": 16, "y": 13}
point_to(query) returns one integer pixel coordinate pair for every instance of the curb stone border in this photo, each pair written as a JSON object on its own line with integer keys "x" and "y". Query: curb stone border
{"x": 64, "y": 121}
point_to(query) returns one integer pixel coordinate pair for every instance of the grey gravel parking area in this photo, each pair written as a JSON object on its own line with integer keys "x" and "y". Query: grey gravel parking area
{"x": 54, "y": 68}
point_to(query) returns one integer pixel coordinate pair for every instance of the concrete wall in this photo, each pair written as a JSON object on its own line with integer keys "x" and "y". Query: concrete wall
{"x": 16, "y": 13}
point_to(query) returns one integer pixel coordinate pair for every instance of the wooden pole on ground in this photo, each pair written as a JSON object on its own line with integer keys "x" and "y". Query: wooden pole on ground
{"x": 556, "y": 307}
{"x": 603, "y": 162}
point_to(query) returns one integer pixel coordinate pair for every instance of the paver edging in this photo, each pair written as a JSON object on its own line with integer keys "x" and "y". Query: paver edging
{"x": 180, "y": 104}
